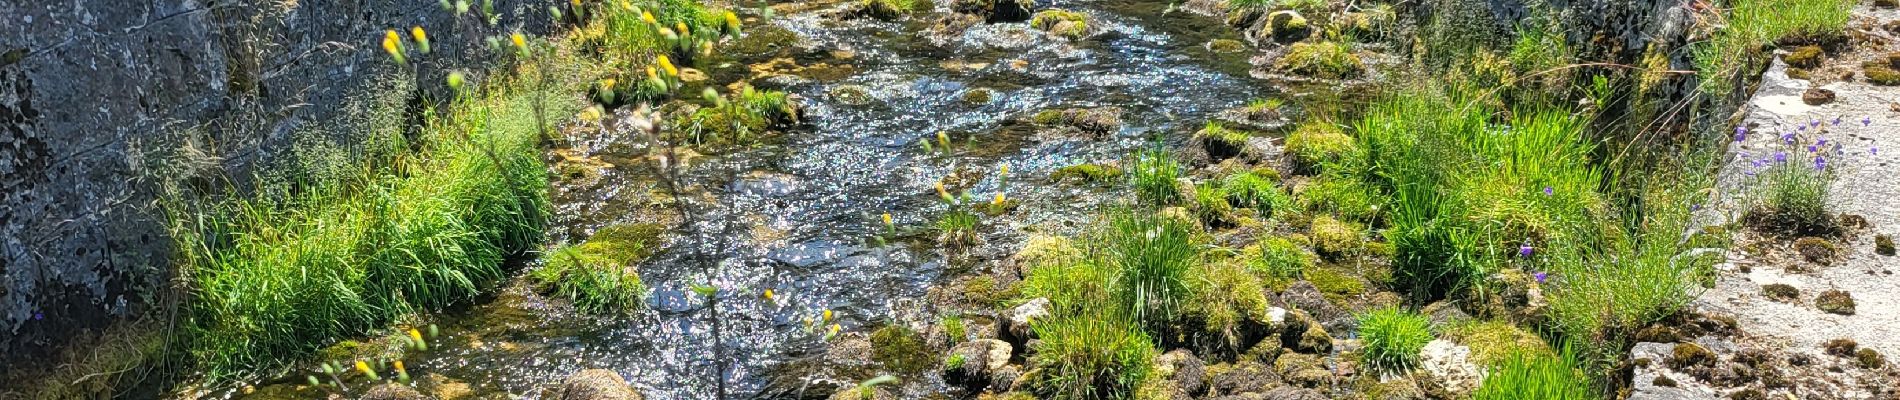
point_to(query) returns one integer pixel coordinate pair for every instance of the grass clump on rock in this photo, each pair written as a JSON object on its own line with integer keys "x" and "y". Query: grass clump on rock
{"x": 1315, "y": 143}
{"x": 900, "y": 349}
{"x": 1279, "y": 257}
{"x": 598, "y": 275}
{"x": 1327, "y": 60}
{"x": 1065, "y": 23}
{"x": 892, "y": 9}
{"x": 1092, "y": 173}
{"x": 1835, "y": 301}
{"x": 1535, "y": 375}
{"x": 1152, "y": 255}
{"x": 1097, "y": 354}
{"x": 1393, "y": 337}
{"x": 1251, "y": 189}
{"x": 1791, "y": 197}
{"x": 1153, "y": 176}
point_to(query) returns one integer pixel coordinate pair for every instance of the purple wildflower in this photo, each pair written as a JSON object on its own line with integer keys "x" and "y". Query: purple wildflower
{"x": 1837, "y": 121}
{"x": 1781, "y": 157}
{"x": 1802, "y": 128}
{"x": 1811, "y": 149}
{"x": 1788, "y": 137}
{"x": 1540, "y": 275}
{"x": 1820, "y": 163}
{"x": 38, "y": 316}
{"x": 1814, "y": 123}
{"x": 1873, "y": 150}
{"x": 1821, "y": 142}
{"x": 1525, "y": 251}
{"x": 1548, "y": 191}
{"x": 1864, "y": 121}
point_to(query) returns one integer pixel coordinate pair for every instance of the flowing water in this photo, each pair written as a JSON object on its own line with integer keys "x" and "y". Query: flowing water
{"x": 800, "y": 214}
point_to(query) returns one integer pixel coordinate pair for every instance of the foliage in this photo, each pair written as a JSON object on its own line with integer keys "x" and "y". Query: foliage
{"x": 1098, "y": 353}
{"x": 1536, "y": 375}
{"x": 1224, "y": 295}
{"x": 1344, "y": 197}
{"x": 1326, "y": 59}
{"x": 1151, "y": 255}
{"x": 1153, "y": 176}
{"x": 1279, "y": 257}
{"x": 1061, "y": 22}
{"x": 891, "y": 9}
{"x": 1316, "y": 143}
{"x": 900, "y": 349}
{"x": 1393, "y": 337}
{"x": 1751, "y": 25}
{"x": 1335, "y": 238}
{"x": 276, "y": 277}
{"x": 1092, "y": 173}
{"x": 598, "y": 275}
{"x": 1251, "y": 190}
{"x": 1791, "y": 197}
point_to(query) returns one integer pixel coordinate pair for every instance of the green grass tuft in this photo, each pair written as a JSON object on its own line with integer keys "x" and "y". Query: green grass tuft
{"x": 1393, "y": 337}
{"x": 1153, "y": 177}
{"x": 1536, "y": 375}
{"x": 1327, "y": 59}
{"x": 1316, "y": 143}
{"x": 598, "y": 275}
{"x": 1098, "y": 354}
{"x": 1151, "y": 255}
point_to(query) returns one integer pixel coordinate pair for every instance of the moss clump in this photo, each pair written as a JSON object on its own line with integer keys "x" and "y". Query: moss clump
{"x": 900, "y": 349}
{"x": 1815, "y": 250}
{"x": 1663, "y": 381}
{"x": 1224, "y": 296}
{"x": 1835, "y": 301}
{"x": 1257, "y": 190}
{"x": 1492, "y": 342}
{"x": 1221, "y": 143}
{"x": 1278, "y": 257}
{"x": 1804, "y": 57}
{"x": 1883, "y": 244}
{"x": 1690, "y": 354}
{"x": 1226, "y": 46}
{"x": 1880, "y": 73}
{"x": 1780, "y": 292}
{"x": 1210, "y": 206}
{"x": 1842, "y": 347}
{"x": 1332, "y": 281}
{"x": 1334, "y": 238}
{"x": 1327, "y": 60}
{"x": 1091, "y": 173}
{"x": 1065, "y": 23}
{"x": 891, "y": 9}
{"x": 1748, "y": 394}
{"x": 982, "y": 290}
{"x": 598, "y": 275}
{"x": 1346, "y": 198}
{"x": 1287, "y": 25}
{"x": 1317, "y": 142}
{"x": 1869, "y": 358}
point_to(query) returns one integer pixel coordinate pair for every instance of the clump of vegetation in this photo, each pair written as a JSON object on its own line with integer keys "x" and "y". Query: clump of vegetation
{"x": 891, "y": 9}
{"x": 1152, "y": 255}
{"x": 275, "y": 277}
{"x": 1250, "y": 189}
{"x": 1883, "y": 244}
{"x": 1279, "y": 257}
{"x": 1098, "y": 354}
{"x": 1536, "y": 375}
{"x": 1065, "y": 23}
{"x": 1842, "y": 347}
{"x": 1092, "y": 173}
{"x": 598, "y": 275}
{"x": 1225, "y": 296}
{"x": 978, "y": 96}
{"x": 900, "y": 349}
{"x": 1780, "y": 292}
{"x": 1835, "y": 301}
{"x": 1686, "y": 355}
{"x": 1327, "y": 60}
{"x": 1753, "y": 25}
{"x": 1393, "y": 337}
{"x": 1334, "y": 238}
{"x": 1343, "y": 197}
{"x": 1210, "y": 205}
{"x": 1791, "y": 197}
{"x": 736, "y": 119}
{"x": 1221, "y": 143}
{"x": 1880, "y": 73}
{"x": 1316, "y": 143}
{"x": 1153, "y": 176}
{"x": 1493, "y": 342}
{"x": 1815, "y": 250}
{"x": 1804, "y": 57}
{"x": 1869, "y": 359}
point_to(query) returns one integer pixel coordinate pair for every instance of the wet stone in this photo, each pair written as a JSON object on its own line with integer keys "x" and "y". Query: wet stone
{"x": 594, "y": 384}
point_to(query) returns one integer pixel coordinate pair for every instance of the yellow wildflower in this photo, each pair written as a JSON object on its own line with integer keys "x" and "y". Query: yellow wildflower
{"x": 681, "y": 27}
{"x": 607, "y": 83}
{"x": 413, "y": 334}
{"x": 945, "y": 194}
{"x": 648, "y": 17}
{"x": 651, "y": 74}
{"x": 521, "y": 42}
{"x": 399, "y": 366}
{"x": 392, "y": 43}
{"x": 887, "y": 219}
{"x": 363, "y": 366}
{"x": 667, "y": 65}
{"x": 827, "y": 315}
{"x": 768, "y": 295}
{"x": 1005, "y": 168}
{"x": 732, "y": 21}
{"x": 834, "y": 330}
{"x": 999, "y": 199}
{"x": 577, "y": 3}
{"x": 422, "y": 38}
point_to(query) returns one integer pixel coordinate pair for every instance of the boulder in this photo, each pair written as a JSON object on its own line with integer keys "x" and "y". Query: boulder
{"x": 996, "y": 11}
{"x": 1242, "y": 377}
{"x": 1450, "y": 367}
{"x": 1188, "y": 372}
{"x": 976, "y": 362}
{"x": 1022, "y": 316}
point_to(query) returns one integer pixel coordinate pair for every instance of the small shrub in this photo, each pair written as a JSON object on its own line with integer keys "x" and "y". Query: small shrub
{"x": 1536, "y": 375}
{"x": 900, "y": 349}
{"x": 1096, "y": 355}
{"x": 1393, "y": 337}
{"x": 1154, "y": 177}
{"x": 1152, "y": 255}
{"x": 598, "y": 275}
{"x": 1869, "y": 359}
{"x": 1315, "y": 143}
{"x": 1328, "y": 60}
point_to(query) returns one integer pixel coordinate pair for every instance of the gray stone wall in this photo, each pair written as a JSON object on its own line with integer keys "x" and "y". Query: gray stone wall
{"x": 91, "y": 89}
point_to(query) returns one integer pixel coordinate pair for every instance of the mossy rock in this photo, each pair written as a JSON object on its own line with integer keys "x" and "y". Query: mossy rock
{"x": 1336, "y": 239}
{"x": 978, "y": 96}
{"x": 1883, "y": 244}
{"x": 1286, "y": 26}
{"x": 1325, "y": 60}
{"x": 1842, "y": 347}
{"x": 1226, "y": 46}
{"x": 1336, "y": 283}
{"x": 996, "y": 11}
{"x": 1064, "y": 23}
{"x": 1220, "y": 142}
{"x": 1091, "y": 173}
{"x": 1781, "y": 292}
{"x": 1835, "y": 301}
{"x": 1869, "y": 359}
{"x": 1879, "y": 73}
{"x": 1816, "y": 250}
{"x": 892, "y": 9}
{"x": 1686, "y": 355}
{"x": 1317, "y": 142}
{"x": 1494, "y": 341}
{"x": 900, "y": 350}
{"x": 1804, "y": 57}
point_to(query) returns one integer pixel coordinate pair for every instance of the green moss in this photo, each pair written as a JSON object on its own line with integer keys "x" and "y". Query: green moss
{"x": 1883, "y": 244}
{"x": 900, "y": 349}
{"x": 978, "y": 96}
{"x": 1346, "y": 198}
{"x": 1226, "y": 46}
{"x": 1869, "y": 358}
{"x": 1835, "y": 301}
{"x": 1317, "y": 142}
{"x": 1780, "y": 292}
{"x": 1328, "y": 60}
{"x": 1332, "y": 281}
{"x": 1219, "y": 139}
{"x": 1070, "y": 24}
{"x": 891, "y": 9}
{"x": 1685, "y": 355}
{"x": 1804, "y": 57}
{"x": 1336, "y": 239}
{"x": 1092, "y": 173}
{"x": 1280, "y": 257}
{"x": 1842, "y": 347}
{"x": 1492, "y": 342}
{"x": 1879, "y": 73}
{"x": 1815, "y": 250}
{"x": 1224, "y": 295}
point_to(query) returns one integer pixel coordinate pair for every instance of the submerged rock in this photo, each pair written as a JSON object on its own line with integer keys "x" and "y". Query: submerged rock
{"x": 394, "y": 391}
{"x": 995, "y": 11}
{"x": 594, "y": 384}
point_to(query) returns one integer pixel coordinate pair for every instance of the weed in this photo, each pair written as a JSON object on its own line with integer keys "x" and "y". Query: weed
{"x": 1752, "y": 25}
{"x": 900, "y": 349}
{"x": 1226, "y": 295}
{"x": 1210, "y": 205}
{"x": 1279, "y": 257}
{"x": 1393, "y": 337}
{"x": 598, "y": 275}
{"x": 1346, "y": 198}
{"x": 953, "y": 328}
{"x": 1251, "y": 190}
{"x": 1528, "y": 374}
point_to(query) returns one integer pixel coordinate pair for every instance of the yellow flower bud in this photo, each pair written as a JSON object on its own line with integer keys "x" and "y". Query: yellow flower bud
{"x": 834, "y": 330}
{"x": 521, "y": 42}
{"x": 421, "y": 36}
{"x": 651, "y": 74}
{"x": 455, "y": 80}
{"x": 648, "y": 17}
{"x": 732, "y": 21}
{"x": 577, "y": 3}
{"x": 399, "y": 366}
{"x": 887, "y": 219}
{"x": 681, "y": 27}
{"x": 943, "y": 193}
{"x": 999, "y": 199}
{"x": 1005, "y": 168}
{"x": 667, "y": 65}
{"x": 827, "y": 315}
{"x": 768, "y": 295}
{"x": 363, "y": 366}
